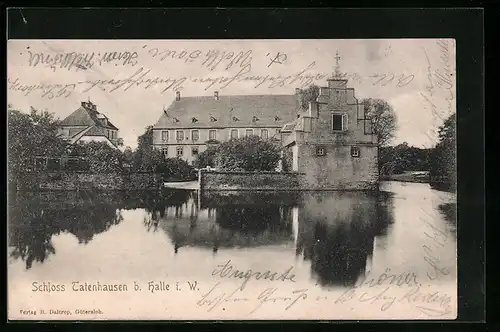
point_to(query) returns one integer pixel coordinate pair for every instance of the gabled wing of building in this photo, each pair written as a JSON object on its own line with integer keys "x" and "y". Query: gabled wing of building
{"x": 93, "y": 133}
{"x": 86, "y": 123}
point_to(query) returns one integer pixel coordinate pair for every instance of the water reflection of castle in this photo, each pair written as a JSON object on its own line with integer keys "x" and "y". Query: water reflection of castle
{"x": 335, "y": 231}
{"x": 228, "y": 222}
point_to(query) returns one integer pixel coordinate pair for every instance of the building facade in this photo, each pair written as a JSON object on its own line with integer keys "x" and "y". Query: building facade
{"x": 87, "y": 124}
{"x": 332, "y": 144}
{"x": 191, "y": 124}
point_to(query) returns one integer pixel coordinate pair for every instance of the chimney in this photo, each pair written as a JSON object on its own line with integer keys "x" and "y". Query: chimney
{"x": 313, "y": 109}
{"x": 177, "y": 95}
{"x": 84, "y": 104}
{"x": 216, "y": 95}
{"x": 297, "y": 91}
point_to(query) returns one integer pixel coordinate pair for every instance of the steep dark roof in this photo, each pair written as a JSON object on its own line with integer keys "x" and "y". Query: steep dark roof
{"x": 95, "y": 131}
{"x": 230, "y": 111}
{"x": 84, "y": 116}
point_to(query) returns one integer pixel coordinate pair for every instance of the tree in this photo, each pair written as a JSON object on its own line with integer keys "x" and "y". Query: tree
{"x": 308, "y": 94}
{"x": 128, "y": 156}
{"x": 383, "y": 119}
{"x": 443, "y": 157}
{"x": 29, "y": 136}
{"x": 99, "y": 156}
{"x": 402, "y": 157}
{"x": 175, "y": 169}
{"x": 249, "y": 153}
{"x": 206, "y": 158}
{"x": 146, "y": 157}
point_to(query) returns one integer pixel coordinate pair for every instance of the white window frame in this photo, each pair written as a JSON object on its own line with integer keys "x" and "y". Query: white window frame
{"x": 320, "y": 148}
{"x": 163, "y": 150}
{"x": 192, "y": 135}
{"x": 262, "y": 131}
{"x": 212, "y": 131}
{"x": 162, "y": 136}
{"x": 179, "y": 148}
{"x": 177, "y": 135}
{"x": 355, "y": 155}
{"x": 197, "y": 148}
{"x": 231, "y": 133}
{"x": 246, "y": 132}
{"x": 344, "y": 121}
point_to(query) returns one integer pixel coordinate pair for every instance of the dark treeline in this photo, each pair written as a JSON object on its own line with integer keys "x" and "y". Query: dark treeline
{"x": 403, "y": 158}
{"x": 439, "y": 161}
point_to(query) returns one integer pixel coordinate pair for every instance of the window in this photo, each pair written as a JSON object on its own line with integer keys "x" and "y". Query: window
{"x": 165, "y": 152}
{"x": 264, "y": 134}
{"x": 212, "y": 134}
{"x": 249, "y": 132}
{"x": 194, "y": 150}
{"x": 179, "y": 135}
{"x": 234, "y": 133}
{"x": 164, "y": 135}
{"x": 195, "y": 135}
{"x": 109, "y": 134}
{"x": 180, "y": 151}
{"x": 339, "y": 122}
{"x": 277, "y": 131}
{"x": 354, "y": 151}
{"x": 320, "y": 151}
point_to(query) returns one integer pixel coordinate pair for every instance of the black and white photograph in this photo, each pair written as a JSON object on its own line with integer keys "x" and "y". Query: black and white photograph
{"x": 232, "y": 179}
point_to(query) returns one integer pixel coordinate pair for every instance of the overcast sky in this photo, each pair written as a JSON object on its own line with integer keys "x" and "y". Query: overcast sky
{"x": 424, "y": 69}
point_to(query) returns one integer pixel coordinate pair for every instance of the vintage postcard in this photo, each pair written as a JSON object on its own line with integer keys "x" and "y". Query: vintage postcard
{"x": 232, "y": 179}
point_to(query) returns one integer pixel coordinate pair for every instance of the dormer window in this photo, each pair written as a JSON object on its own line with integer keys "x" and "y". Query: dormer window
{"x": 175, "y": 120}
{"x": 194, "y": 120}
{"x": 235, "y": 119}
{"x": 277, "y": 118}
{"x": 212, "y": 119}
{"x": 255, "y": 119}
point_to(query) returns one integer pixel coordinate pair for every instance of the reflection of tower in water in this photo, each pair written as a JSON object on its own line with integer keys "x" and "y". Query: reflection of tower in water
{"x": 336, "y": 233}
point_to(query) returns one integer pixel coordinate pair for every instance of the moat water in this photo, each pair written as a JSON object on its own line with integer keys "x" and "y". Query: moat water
{"x": 332, "y": 239}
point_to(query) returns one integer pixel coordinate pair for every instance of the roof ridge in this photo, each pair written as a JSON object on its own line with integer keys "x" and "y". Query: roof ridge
{"x": 254, "y": 95}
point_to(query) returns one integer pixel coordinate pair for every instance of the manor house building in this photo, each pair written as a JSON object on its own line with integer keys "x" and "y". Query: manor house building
{"x": 329, "y": 145}
{"x": 191, "y": 124}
